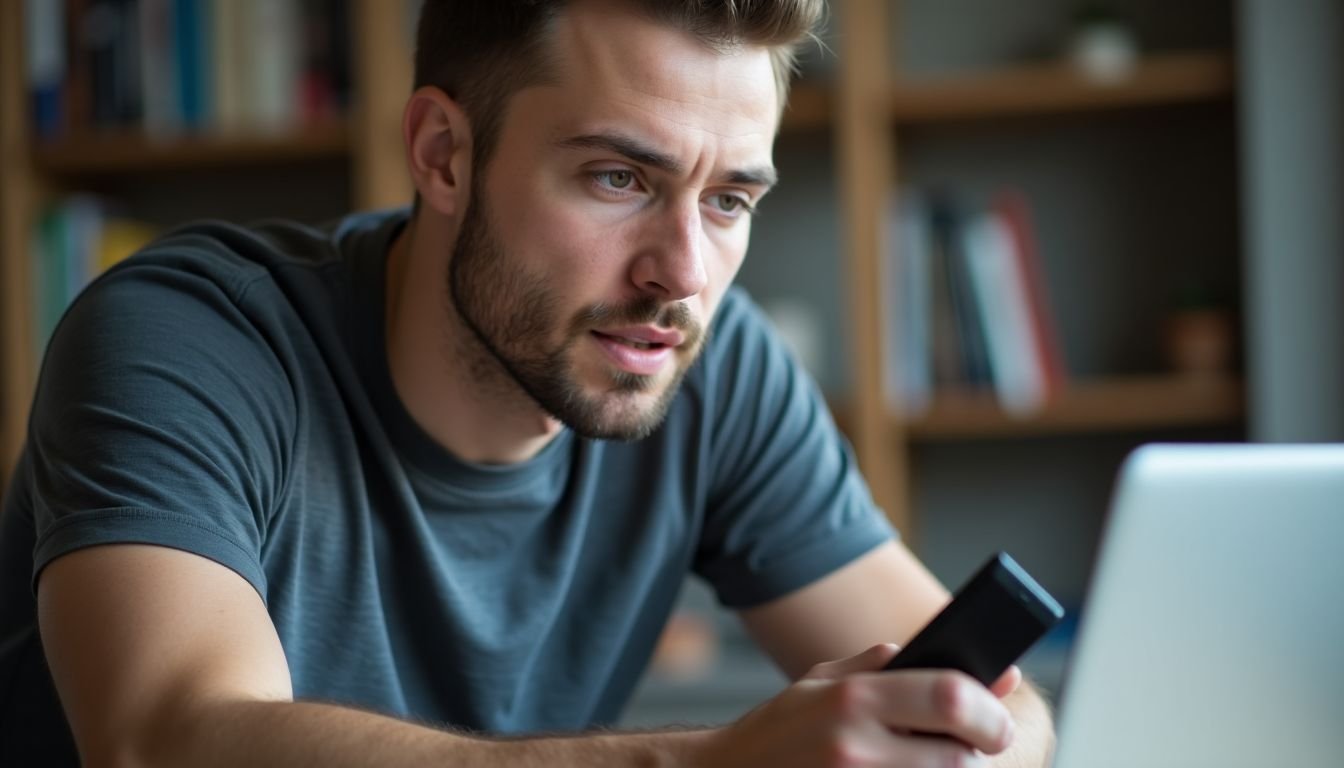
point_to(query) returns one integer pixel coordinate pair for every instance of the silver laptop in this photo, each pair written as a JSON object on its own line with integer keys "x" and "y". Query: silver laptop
{"x": 1213, "y": 632}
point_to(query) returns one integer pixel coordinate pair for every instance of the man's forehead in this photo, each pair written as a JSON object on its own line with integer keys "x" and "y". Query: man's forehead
{"x": 604, "y": 48}
{"x": 624, "y": 74}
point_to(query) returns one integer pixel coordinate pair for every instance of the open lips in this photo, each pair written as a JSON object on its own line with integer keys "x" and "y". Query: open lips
{"x": 640, "y": 350}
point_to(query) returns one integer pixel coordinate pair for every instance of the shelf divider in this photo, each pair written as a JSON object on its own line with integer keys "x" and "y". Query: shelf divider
{"x": 136, "y": 152}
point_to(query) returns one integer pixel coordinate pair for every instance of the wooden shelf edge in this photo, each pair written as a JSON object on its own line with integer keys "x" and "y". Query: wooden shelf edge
{"x": 1159, "y": 79}
{"x": 126, "y": 152}
{"x": 1109, "y": 405}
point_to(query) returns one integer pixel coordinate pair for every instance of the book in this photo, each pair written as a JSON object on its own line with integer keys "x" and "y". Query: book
{"x": 320, "y": 99}
{"x": 907, "y": 304}
{"x": 948, "y": 361}
{"x": 273, "y": 31}
{"x": 191, "y": 28}
{"x": 228, "y": 64}
{"x": 73, "y": 241}
{"x": 109, "y": 59}
{"x": 171, "y": 67}
{"x": 77, "y": 86}
{"x": 960, "y": 353}
{"x": 46, "y": 65}
{"x": 1000, "y": 294}
{"x": 965, "y": 304}
{"x": 160, "y": 75}
{"x": 48, "y": 253}
{"x": 1014, "y": 210}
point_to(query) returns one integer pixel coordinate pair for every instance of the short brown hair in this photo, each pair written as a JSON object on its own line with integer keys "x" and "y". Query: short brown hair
{"x": 481, "y": 52}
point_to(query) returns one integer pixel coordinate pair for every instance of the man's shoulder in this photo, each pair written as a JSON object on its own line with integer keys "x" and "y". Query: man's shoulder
{"x": 263, "y": 287}
{"x": 232, "y": 254}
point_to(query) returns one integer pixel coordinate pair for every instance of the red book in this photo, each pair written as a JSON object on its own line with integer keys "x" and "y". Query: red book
{"x": 1012, "y": 206}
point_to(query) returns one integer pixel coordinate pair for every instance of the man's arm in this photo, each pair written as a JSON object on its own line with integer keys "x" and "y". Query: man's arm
{"x": 885, "y": 596}
{"x": 166, "y": 658}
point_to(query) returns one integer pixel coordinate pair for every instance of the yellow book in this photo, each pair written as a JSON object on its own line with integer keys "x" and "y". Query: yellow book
{"x": 120, "y": 238}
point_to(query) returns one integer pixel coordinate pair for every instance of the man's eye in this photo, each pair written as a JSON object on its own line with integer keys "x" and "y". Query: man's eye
{"x": 730, "y": 203}
{"x": 617, "y": 179}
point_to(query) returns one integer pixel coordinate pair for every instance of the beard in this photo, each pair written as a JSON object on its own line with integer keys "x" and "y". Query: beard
{"x": 515, "y": 316}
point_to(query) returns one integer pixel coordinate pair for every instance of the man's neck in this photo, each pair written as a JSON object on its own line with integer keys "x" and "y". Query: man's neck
{"x": 453, "y": 388}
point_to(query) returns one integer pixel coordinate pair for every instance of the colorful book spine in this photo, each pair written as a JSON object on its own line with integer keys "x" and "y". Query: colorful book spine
{"x": 159, "y": 73}
{"x": 45, "y": 62}
{"x": 1000, "y": 294}
{"x": 273, "y": 31}
{"x": 1015, "y": 212}
{"x": 908, "y": 306}
{"x": 169, "y": 67}
{"x": 229, "y": 67}
{"x": 109, "y": 60}
{"x": 966, "y": 306}
{"x": 191, "y": 19}
{"x": 73, "y": 241}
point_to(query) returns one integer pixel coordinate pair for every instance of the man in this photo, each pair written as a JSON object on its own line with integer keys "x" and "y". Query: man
{"x": 291, "y": 493}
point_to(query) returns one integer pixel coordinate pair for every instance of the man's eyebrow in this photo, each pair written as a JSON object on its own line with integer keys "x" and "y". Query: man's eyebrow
{"x": 632, "y": 148}
{"x": 640, "y": 152}
{"x": 763, "y": 176}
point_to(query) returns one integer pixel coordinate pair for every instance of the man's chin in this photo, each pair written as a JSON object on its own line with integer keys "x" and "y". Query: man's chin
{"x": 621, "y": 412}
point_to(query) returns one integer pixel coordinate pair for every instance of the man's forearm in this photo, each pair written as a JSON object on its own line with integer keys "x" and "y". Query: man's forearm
{"x": 305, "y": 733}
{"x": 281, "y": 733}
{"x": 1035, "y": 740}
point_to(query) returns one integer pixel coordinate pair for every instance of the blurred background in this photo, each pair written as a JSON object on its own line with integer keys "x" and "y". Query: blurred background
{"x": 1012, "y": 241}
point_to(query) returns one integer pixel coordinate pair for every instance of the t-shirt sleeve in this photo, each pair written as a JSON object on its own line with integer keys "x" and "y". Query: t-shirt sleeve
{"x": 162, "y": 417}
{"x": 787, "y": 504}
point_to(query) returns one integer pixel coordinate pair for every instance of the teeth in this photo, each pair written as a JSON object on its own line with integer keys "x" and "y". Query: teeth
{"x": 633, "y": 343}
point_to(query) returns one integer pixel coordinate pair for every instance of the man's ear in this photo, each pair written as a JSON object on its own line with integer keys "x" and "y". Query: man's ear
{"x": 437, "y": 138}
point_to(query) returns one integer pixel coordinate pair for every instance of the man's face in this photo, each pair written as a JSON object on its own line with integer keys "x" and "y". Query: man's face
{"x": 614, "y": 213}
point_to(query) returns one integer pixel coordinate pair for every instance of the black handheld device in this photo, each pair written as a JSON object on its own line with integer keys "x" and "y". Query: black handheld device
{"x": 992, "y": 620}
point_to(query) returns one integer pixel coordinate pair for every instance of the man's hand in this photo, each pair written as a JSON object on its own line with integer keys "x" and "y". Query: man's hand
{"x": 849, "y": 713}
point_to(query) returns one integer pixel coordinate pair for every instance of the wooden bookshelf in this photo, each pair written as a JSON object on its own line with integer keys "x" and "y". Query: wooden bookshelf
{"x": 1164, "y": 79}
{"x": 136, "y": 152}
{"x": 1122, "y": 404}
{"x": 16, "y": 193}
{"x": 811, "y": 107}
{"x": 366, "y": 141}
{"x": 878, "y": 96}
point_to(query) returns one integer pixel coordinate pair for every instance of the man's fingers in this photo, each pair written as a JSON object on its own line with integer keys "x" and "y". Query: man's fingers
{"x": 1007, "y": 682}
{"x": 933, "y": 751}
{"x": 870, "y": 660}
{"x": 942, "y": 703}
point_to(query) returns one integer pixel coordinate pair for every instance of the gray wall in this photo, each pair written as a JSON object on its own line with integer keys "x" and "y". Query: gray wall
{"x": 1292, "y": 83}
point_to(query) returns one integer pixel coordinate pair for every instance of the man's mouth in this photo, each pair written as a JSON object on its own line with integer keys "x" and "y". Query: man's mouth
{"x": 645, "y": 336}
{"x": 641, "y": 352}
{"x": 631, "y": 342}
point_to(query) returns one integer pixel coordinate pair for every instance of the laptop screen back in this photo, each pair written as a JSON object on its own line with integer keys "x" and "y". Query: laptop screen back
{"x": 1213, "y": 632}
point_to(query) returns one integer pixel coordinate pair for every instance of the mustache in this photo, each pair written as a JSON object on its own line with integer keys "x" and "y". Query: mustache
{"x": 645, "y": 310}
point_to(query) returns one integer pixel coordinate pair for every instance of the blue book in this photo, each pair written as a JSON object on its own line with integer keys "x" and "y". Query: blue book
{"x": 45, "y": 53}
{"x": 191, "y": 19}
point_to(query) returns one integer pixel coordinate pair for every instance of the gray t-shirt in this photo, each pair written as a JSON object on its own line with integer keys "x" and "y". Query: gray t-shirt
{"x": 226, "y": 392}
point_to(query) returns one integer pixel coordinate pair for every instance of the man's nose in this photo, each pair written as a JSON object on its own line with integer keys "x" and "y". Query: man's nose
{"x": 670, "y": 263}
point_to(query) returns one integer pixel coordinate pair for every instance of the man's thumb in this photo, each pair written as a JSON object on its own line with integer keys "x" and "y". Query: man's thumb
{"x": 870, "y": 660}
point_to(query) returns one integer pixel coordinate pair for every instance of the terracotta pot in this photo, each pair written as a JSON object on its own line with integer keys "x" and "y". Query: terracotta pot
{"x": 1199, "y": 341}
